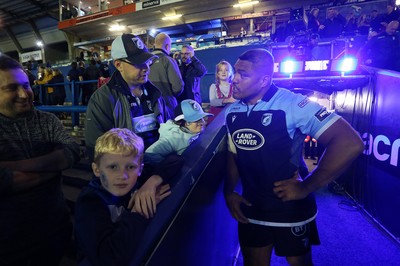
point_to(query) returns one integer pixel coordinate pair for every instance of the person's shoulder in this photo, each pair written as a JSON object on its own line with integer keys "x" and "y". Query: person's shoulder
{"x": 45, "y": 115}
{"x": 152, "y": 89}
{"x": 89, "y": 196}
{"x": 236, "y": 106}
{"x": 168, "y": 128}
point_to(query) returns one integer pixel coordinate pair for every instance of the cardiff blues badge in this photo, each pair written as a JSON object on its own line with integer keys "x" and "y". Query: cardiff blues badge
{"x": 266, "y": 119}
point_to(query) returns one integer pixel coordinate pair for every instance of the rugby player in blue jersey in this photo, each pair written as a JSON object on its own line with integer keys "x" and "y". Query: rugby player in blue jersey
{"x": 266, "y": 130}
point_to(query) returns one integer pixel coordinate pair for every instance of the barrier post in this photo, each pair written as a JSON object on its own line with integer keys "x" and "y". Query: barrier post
{"x": 75, "y": 102}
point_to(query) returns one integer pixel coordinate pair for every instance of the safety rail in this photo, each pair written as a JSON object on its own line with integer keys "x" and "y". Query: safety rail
{"x": 187, "y": 220}
{"x": 73, "y": 94}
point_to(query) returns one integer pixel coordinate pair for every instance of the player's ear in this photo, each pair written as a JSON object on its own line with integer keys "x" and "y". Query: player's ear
{"x": 266, "y": 81}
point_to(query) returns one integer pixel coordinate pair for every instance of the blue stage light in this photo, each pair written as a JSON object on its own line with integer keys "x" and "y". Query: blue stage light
{"x": 290, "y": 66}
{"x": 344, "y": 65}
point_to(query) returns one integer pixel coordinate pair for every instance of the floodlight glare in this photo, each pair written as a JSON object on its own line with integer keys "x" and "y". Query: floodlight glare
{"x": 290, "y": 66}
{"x": 348, "y": 64}
{"x": 287, "y": 67}
{"x": 344, "y": 65}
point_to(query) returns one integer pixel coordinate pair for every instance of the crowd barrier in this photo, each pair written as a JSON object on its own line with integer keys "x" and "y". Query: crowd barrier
{"x": 193, "y": 225}
{"x": 73, "y": 97}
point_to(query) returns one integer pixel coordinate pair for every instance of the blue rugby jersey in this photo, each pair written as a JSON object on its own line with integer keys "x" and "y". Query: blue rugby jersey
{"x": 268, "y": 140}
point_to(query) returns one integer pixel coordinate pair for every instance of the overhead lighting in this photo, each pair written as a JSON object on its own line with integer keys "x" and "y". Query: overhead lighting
{"x": 116, "y": 28}
{"x": 39, "y": 43}
{"x": 245, "y": 4}
{"x": 172, "y": 17}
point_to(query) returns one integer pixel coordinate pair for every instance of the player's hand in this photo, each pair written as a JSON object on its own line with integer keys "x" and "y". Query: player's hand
{"x": 290, "y": 189}
{"x": 233, "y": 201}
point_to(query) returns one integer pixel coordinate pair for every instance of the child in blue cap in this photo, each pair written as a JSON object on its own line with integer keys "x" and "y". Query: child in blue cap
{"x": 176, "y": 135}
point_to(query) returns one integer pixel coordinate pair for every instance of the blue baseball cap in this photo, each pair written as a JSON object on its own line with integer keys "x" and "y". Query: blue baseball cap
{"x": 190, "y": 111}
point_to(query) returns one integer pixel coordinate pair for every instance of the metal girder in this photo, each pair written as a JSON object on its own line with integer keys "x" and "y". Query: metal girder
{"x": 14, "y": 39}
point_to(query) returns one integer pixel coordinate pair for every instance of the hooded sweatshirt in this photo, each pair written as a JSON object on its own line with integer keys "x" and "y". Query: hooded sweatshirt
{"x": 173, "y": 139}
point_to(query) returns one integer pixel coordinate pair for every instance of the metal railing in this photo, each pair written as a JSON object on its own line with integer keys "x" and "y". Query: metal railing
{"x": 74, "y": 94}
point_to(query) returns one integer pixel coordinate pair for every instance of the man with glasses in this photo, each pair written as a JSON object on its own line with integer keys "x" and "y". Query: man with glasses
{"x": 192, "y": 70}
{"x": 129, "y": 100}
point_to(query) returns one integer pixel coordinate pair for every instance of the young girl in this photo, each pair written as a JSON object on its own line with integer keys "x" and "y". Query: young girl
{"x": 176, "y": 135}
{"x": 221, "y": 91}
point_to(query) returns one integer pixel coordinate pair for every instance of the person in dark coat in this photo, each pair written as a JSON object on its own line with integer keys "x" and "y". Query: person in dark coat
{"x": 192, "y": 70}
{"x": 91, "y": 73}
{"x": 58, "y": 96}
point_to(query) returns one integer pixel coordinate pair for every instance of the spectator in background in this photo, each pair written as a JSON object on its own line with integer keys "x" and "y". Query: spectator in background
{"x": 105, "y": 74}
{"x": 165, "y": 74}
{"x": 81, "y": 68}
{"x": 310, "y": 148}
{"x": 35, "y": 90}
{"x": 82, "y": 55}
{"x": 220, "y": 92}
{"x": 58, "y": 96}
{"x": 391, "y": 15}
{"x": 350, "y": 26}
{"x": 46, "y": 77}
{"x": 34, "y": 149}
{"x": 91, "y": 73}
{"x": 93, "y": 55}
{"x": 40, "y": 89}
{"x": 313, "y": 21}
{"x": 375, "y": 21}
{"x": 363, "y": 24}
{"x": 192, "y": 70}
{"x": 75, "y": 75}
{"x": 104, "y": 69}
{"x": 383, "y": 50}
{"x": 333, "y": 25}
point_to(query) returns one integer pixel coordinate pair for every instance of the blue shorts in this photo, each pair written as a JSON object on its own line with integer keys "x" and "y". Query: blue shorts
{"x": 287, "y": 241}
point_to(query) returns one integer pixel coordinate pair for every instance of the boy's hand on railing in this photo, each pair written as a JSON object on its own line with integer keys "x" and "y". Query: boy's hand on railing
{"x": 145, "y": 198}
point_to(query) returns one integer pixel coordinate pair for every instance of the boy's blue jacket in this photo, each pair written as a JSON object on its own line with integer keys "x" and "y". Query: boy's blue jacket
{"x": 106, "y": 232}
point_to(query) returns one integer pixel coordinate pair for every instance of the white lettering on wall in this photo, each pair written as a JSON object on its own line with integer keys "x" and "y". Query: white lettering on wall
{"x": 376, "y": 146}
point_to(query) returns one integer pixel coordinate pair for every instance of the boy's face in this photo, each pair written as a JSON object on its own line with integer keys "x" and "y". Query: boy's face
{"x": 118, "y": 173}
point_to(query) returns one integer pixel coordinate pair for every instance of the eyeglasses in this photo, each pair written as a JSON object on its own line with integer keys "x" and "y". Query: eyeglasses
{"x": 201, "y": 121}
{"x": 147, "y": 63}
{"x": 186, "y": 54}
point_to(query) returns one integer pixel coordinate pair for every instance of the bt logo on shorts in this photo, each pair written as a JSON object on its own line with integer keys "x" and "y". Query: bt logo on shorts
{"x": 299, "y": 230}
